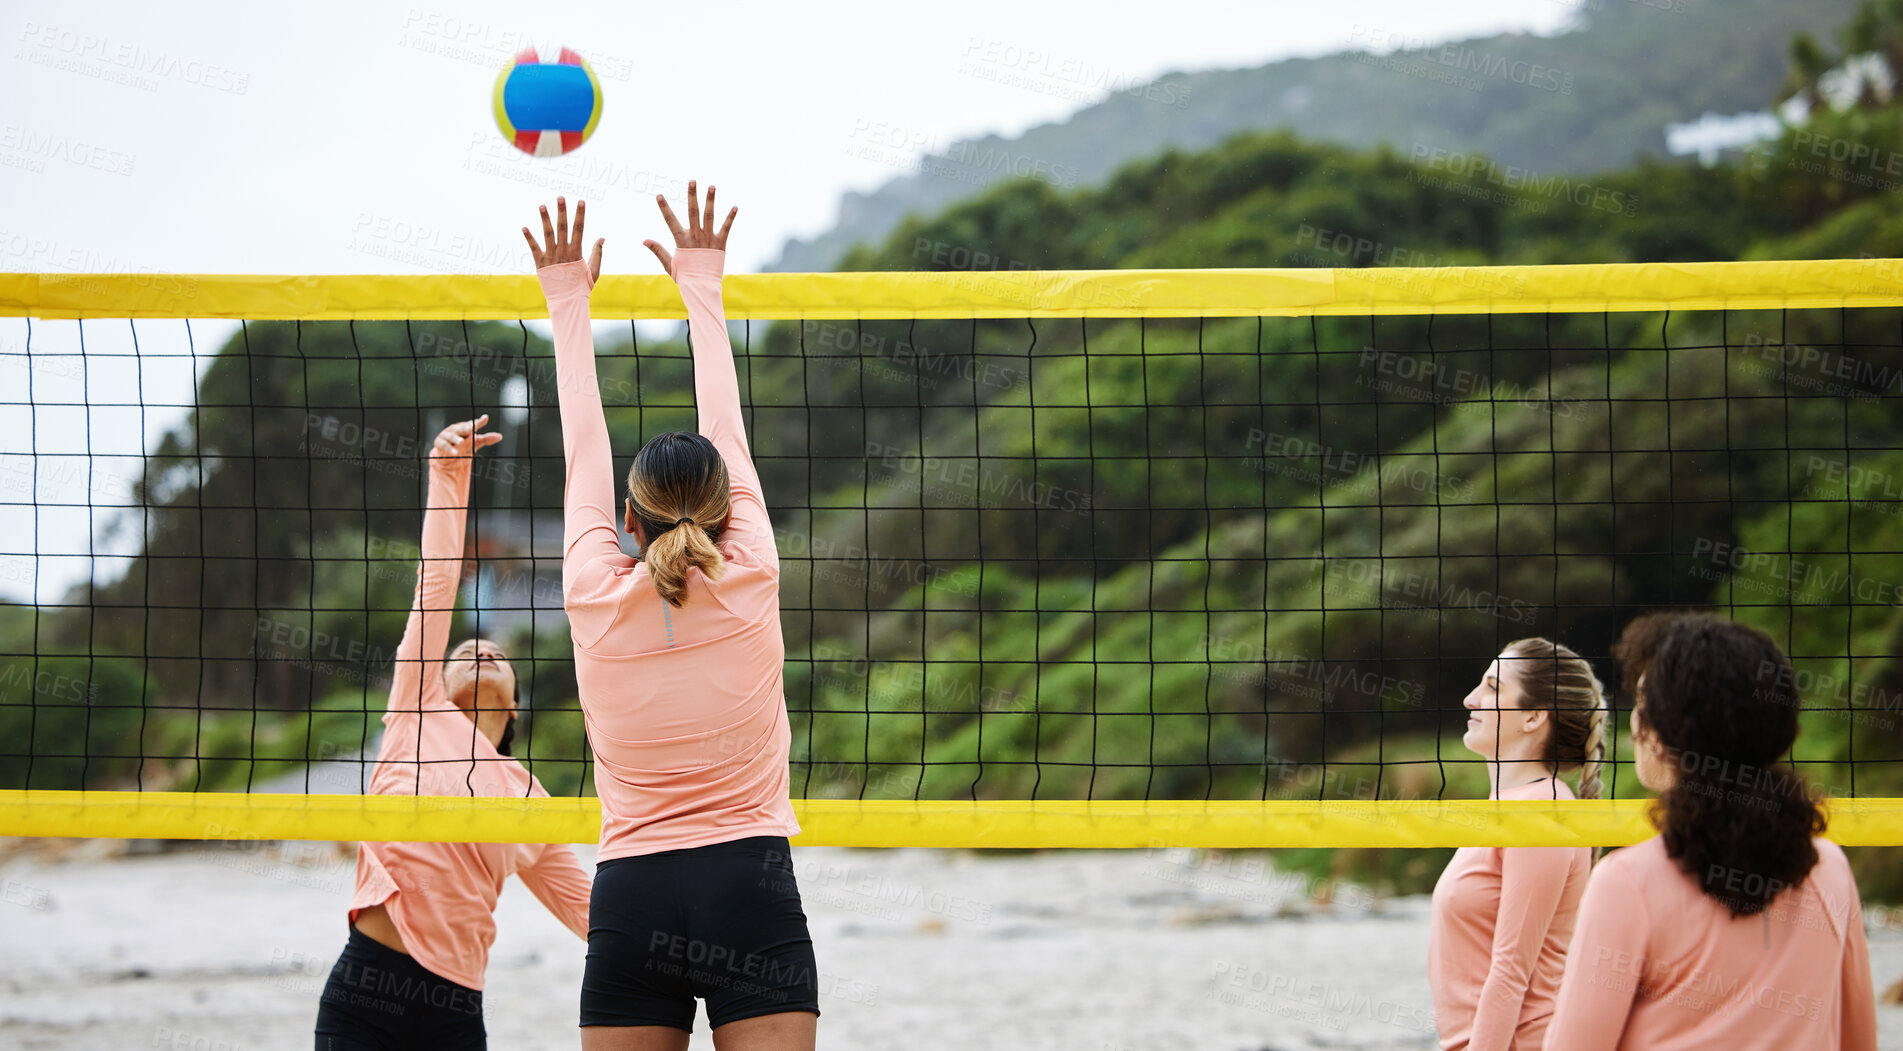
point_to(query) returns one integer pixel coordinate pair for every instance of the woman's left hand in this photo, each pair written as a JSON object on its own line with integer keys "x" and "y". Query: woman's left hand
{"x": 562, "y": 246}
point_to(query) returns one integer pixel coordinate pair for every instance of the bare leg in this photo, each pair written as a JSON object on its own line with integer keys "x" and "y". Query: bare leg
{"x": 634, "y": 1038}
{"x": 786, "y": 1031}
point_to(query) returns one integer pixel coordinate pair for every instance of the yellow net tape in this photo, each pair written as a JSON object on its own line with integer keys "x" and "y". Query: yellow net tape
{"x": 1594, "y": 287}
{"x": 889, "y": 823}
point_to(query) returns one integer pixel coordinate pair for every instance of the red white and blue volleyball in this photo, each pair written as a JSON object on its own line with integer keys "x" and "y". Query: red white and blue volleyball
{"x": 547, "y": 108}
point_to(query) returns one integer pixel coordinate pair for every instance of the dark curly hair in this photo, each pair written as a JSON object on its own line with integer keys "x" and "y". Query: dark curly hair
{"x": 1723, "y": 700}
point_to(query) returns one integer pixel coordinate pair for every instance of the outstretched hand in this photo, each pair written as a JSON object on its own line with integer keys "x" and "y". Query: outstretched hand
{"x": 463, "y": 439}
{"x": 699, "y": 233}
{"x": 564, "y": 247}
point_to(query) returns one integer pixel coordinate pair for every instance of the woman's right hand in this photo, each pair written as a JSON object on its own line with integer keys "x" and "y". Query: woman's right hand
{"x": 562, "y": 246}
{"x": 462, "y": 439}
{"x": 698, "y": 234}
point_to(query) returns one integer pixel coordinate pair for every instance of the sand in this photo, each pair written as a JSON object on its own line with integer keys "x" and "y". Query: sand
{"x": 228, "y": 947}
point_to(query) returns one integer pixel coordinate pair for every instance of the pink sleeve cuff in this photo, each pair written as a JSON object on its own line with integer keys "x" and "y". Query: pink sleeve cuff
{"x": 699, "y": 263}
{"x": 562, "y": 280}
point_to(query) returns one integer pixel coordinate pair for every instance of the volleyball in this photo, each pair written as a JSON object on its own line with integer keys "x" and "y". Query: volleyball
{"x": 547, "y": 108}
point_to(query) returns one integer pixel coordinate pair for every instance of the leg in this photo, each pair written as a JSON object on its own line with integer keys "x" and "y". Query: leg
{"x": 786, "y": 1031}
{"x": 634, "y": 1038}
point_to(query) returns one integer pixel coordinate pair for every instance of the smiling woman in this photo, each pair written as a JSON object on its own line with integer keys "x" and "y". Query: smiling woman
{"x": 1503, "y": 916}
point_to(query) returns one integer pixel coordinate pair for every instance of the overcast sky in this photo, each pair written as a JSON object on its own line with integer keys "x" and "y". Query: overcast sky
{"x": 358, "y": 137}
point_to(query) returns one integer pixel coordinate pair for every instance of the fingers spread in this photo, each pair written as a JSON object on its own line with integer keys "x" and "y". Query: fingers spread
{"x": 548, "y": 234}
{"x": 721, "y": 241}
{"x": 581, "y": 214}
{"x": 673, "y": 224}
{"x": 534, "y": 249}
{"x": 561, "y": 228}
{"x": 693, "y": 208}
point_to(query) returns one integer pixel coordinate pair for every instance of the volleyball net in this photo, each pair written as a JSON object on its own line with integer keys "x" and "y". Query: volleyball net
{"x": 1117, "y": 558}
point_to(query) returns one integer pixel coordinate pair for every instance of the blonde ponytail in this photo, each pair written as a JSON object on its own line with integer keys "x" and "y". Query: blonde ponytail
{"x": 1589, "y": 770}
{"x": 678, "y": 490}
{"x": 670, "y": 555}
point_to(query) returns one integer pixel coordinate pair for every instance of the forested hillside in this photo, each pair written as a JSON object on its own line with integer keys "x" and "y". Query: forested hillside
{"x": 1594, "y": 99}
{"x": 1134, "y": 527}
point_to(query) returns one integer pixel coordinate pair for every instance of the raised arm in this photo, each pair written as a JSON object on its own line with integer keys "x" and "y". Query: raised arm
{"x": 589, "y": 534}
{"x": 426, "y": 636}
{"x": 696, "y": 265}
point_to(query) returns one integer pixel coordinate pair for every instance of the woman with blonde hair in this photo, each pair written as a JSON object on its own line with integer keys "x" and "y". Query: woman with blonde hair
{"x": 678, "y": 657}
{"x": 1503, "y": 915}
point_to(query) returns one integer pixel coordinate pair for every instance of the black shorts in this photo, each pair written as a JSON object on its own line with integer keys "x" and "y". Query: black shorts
{"x": 722, "y": 923}
{"x": 379, "y": 999}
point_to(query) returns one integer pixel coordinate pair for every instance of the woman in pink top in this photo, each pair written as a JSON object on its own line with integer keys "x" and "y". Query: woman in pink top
{"x": 422, "y": 918}
{"x": 1737, "y": 926}
{"x": 678, "y": 657}
{"x": 1503, "y": 916}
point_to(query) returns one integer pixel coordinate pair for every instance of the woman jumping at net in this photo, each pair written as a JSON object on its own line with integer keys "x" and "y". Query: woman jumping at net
{"x": 678, "y": 657}
{"x": 422, "y": 917}
{"x": 1503, "y": 916}
{"x": 1738, "y": 926}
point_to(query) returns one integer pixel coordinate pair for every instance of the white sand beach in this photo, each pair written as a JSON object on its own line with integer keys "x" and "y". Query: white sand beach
{"x": 224, "y": 948}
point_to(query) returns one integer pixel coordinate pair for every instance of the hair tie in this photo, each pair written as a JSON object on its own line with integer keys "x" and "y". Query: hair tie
{"x": 682, "y": 521}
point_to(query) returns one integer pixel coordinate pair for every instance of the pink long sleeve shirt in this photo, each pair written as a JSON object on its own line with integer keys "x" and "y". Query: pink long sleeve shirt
{"x": 685, "y": 708}
{"x": 442, "y": 896}
{"x": 1497, "y": 948}
{"x": 1660, "y": 965}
